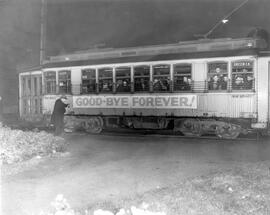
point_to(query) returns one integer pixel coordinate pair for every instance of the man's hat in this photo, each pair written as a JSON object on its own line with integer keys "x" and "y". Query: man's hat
{"x": 63, "y": 97}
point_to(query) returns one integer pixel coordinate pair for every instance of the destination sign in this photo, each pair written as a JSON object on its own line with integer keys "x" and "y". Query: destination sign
{"x": 243, "y": 64}
{"x": 147, "y": 101}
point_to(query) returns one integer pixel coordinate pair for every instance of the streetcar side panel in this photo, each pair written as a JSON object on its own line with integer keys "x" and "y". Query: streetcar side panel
{"x": 269, "y": 96}
{"x": 209, "y": 103}
{"x": 237, "y": 105}
{"x": 263, "y": 93}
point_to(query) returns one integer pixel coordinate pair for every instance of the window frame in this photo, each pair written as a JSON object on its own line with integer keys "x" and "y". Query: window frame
{"x": 25, "y": 106}
{"x": 210, "y": 75}
{"x": 23, "y": 80}
{"x": 169, "y": 76}
{"x": 181, "y": 75}
{"x": 40, "y": 85}
{"x": 142, "y": 76}
{"x": 89, "y": 79}
{"x": 54, "y": 87}
{"x": 67, "y": 80}
{"x": 105, "y": 78}
{"x": 252, "y": 72}
{"x": 35, "y": 85}
{"x": 121, "y": 78}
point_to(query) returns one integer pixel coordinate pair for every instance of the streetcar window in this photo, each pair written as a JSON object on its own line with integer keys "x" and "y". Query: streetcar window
{"x": 23, "y": 86}
{"x": 36, "y": 109}
{"x": 29, "y": 86}
{"x": 50, "y": 82}
{"x": 141, "y": 78}
{"x": 122, "y": 76}
{"x": 40, "y": 86}
{"x": 242, "y": 75}
{"x": 40, "y": 105}
{"x": 64, "y": 81}
{"x": 88, "y": 81}
{"x": 161, "y": 78}
{"x": 105, "y": 80}
{"x": 35, "y": 86}
{"x": 217, "y": 76}
{"x": 182, "y": 77}
{"x": 25, "y": 106}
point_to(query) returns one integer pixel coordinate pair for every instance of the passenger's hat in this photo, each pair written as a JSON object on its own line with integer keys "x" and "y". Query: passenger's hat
{"x": 63, "y": 97}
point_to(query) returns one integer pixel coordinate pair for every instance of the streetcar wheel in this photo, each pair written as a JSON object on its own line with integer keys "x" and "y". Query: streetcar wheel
{"x": 228, "y": 131}
{"x": 93, "y": 125}
{"x": 191, "y": 128}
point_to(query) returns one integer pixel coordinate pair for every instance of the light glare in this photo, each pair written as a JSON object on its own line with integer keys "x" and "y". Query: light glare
{"x": 224, "y": 21}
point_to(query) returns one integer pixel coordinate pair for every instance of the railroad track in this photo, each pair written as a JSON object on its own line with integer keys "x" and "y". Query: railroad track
{"x": 164, "y": 134}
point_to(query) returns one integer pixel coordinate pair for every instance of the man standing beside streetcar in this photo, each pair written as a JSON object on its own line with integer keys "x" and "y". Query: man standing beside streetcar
{"x": 57, "y": 118}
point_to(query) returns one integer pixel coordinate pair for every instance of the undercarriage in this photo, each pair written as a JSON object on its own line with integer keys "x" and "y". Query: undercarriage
{"x": 191, "y": 127}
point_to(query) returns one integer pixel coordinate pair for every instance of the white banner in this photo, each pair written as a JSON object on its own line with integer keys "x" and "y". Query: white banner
{"x": 133, "y": 101}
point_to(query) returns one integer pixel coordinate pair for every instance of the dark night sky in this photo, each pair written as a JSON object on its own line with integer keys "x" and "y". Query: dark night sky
{"x": 145, "y": 22}
{"x": 80, "y": 24}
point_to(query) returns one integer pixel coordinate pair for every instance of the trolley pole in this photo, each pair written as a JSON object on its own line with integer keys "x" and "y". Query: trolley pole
{"x": 43, "y": 23}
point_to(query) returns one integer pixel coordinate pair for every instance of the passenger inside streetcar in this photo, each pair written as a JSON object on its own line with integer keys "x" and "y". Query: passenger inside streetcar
{"x": 243, "y": 82}
{"x": 242, "y": 79}
{"x": 89, "y": 86}
{"x": 249, "y": 82}
{"x": 105, "y": 86}
{"x": 123, "y": 86}
{"x": 141, "y": 84}
{"x": 182, "y": 83}
{"x": 218, "y": 82}
{"x": 161, "y": 85}
{"x": 161, "y": 77}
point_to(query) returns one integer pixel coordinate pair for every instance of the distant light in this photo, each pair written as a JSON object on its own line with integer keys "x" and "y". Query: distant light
{"x": 224, "y": 21}
{"x": 66, "y": 58}
{"x": 250, "y": 44}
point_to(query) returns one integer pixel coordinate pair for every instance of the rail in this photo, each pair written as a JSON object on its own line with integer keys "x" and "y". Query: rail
{"x": 151, "y": 87}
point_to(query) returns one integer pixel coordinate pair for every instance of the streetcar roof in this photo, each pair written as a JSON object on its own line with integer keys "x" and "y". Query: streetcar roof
{"x": 148, "y": 58}
{"x": 192, "y": 47}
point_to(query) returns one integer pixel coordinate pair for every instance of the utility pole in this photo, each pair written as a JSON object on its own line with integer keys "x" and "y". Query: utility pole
{"x": 43, "y": 23}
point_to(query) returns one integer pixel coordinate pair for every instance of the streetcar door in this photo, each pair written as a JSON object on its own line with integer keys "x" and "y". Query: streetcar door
{"x": 36, "y": 100}
{"x": 269, "y": 93}
{"x": 25, "y": 96}
{"x": 31, "y": 97}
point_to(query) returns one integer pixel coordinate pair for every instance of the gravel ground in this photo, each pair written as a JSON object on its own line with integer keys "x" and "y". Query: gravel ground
{"x": 105, "y": 168}
{"x": 18, "y": 145}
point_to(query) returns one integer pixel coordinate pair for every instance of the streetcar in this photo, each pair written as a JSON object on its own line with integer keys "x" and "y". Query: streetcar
{"x": 207, "y": 86}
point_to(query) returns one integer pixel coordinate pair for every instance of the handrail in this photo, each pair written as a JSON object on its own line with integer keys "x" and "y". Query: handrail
{"x": 205, "y": 86}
